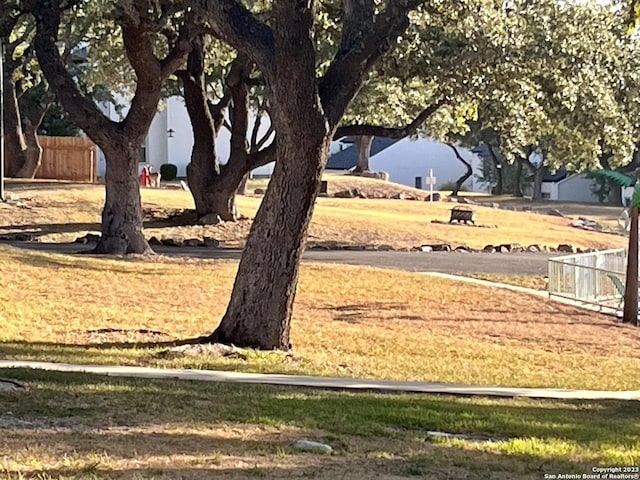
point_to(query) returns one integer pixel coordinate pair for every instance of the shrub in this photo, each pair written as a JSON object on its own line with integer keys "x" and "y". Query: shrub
{"x": 168, "y": 171}
{"x": 451, "y": 185}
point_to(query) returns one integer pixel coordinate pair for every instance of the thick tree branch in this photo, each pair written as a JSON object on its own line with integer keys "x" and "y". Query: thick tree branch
{"x": 350, "y": 68}
{"x": 236, "y": 25}
{"x": 358, "y": 18}
{"x": 188, "y": 31}
{"x": 390, "y": 132}
{"x": 262, "y": 157}
{"x": 83, "y": 110}
{"x": 265, "y": 138}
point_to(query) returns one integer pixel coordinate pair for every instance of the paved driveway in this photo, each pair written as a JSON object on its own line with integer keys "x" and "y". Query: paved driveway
{"x": 445, "y": 262}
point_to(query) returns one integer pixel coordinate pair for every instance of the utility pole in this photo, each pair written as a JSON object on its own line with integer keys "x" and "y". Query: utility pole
{"x": 2, "y": 194}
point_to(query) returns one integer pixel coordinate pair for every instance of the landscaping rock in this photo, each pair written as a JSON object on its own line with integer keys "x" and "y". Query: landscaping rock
{"x": 462, "y": 249}
{"x": 556, "y": 213}
{"x": 358, "y": 193}
{"x": 534, "y": 248}
{"x": 496, "y": 205}
{"x": 565, "y": 248}
{"x": 489, "y": 249}
{"x": 502, "y": 249}
{"x": 436, "y": 197}
{"x": 306, "y": 445}
{"x": 510, "y": 248}
{"x": 425, "y": 248}
{"x": 7, "y": 385}
{"x": 344, "y": 194}
{"x": 193, "y": 242}
{"x": 211, "y": 242}
{"x": 466, "y": 200}
{"x": 23, "y": 237}
{"x": 384, "y": 248}
{"x": 442, "y": 247}
{"x": 355, "y": 247}
{"x": 88, "y": 238}
{"x": 154, "y": 242}
{"x": 462, "y": 436}
{"x": 171, "y": 242}
{"x": 587, "y": 224}
{"x": 209, "y": 349}
{"x": 398, "y": 196}
{"x": 210, "y": 219}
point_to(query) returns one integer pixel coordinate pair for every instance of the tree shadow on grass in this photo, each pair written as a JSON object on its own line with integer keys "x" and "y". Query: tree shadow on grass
{"x": 37, "y": 230}
{"x": 135, "y": 419}
{"x": 354, "y": 313}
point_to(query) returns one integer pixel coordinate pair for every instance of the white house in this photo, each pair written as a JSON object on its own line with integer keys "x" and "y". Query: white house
{"x": 408, "y": 158}
{"x": 571, "y": 188}
{"x": 170, "y": 138}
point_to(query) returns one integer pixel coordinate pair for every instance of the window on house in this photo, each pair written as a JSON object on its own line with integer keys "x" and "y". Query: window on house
{"x": 143, "y": 153}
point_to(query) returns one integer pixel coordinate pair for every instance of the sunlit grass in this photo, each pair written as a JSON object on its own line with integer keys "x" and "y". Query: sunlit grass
{"x": 67, "y": 211}
{"x": 86, "y": 427}
{"x": 348, "y": 321}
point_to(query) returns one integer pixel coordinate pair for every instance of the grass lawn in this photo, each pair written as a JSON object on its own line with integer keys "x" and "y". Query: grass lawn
{"x": 527, "y": 281}
{"x": 348, "y": 321}
{"x": 61, "y": 212}
{"x": 84, "y": 427}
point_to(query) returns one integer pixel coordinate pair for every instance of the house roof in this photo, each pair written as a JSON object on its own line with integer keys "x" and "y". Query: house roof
{"x": 561, "y": 174}
{"x": 348, "y": 158}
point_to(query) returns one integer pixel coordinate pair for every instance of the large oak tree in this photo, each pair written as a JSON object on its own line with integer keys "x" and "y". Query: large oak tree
{"x": 153, "y": 55}
{"x": 306, "y": 108}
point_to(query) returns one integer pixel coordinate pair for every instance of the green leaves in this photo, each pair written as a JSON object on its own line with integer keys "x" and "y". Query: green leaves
{"x": 622, "y": 180}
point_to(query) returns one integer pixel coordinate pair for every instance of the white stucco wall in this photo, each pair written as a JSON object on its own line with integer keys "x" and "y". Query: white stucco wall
{"x": 408, "y": 159}
{"x": 160, "y": 148}
{"x": 576, "y": 188}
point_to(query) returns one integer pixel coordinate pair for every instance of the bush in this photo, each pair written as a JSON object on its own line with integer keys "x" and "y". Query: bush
{"x": 451, "y": 185}
{"x": 168, "y": 171}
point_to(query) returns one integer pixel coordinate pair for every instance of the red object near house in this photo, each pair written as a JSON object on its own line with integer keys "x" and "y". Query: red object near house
{"x": 144, "y": 177}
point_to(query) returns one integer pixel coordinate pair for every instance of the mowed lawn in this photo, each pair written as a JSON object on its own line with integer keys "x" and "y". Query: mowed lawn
{"x": 87, "y": 427}
{"x": 348, "y": 321}
{"x": 63, "y": 212}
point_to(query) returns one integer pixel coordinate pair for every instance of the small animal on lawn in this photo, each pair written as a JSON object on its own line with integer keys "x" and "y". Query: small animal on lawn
{"x": 154, "y": 177}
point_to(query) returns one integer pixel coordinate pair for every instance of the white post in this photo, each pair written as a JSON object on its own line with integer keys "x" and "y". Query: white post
{"x": 431, "y": 184}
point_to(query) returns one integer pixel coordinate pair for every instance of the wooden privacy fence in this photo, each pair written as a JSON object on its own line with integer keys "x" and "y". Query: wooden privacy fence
{"x": 68, "y": 158}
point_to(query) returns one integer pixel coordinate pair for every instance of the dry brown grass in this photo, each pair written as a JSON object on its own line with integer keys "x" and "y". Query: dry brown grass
{"x": 349, "y": 321}
{"x": 63, "y": 212}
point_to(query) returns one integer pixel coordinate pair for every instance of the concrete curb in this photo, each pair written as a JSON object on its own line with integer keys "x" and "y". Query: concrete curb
{"x": 326, "y": 382}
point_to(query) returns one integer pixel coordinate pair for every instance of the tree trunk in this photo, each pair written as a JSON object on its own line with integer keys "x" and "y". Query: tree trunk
{"x": 32, "y": 155}
{"x": 363, "y": 144}
{"x": 466, "y": 175}
{"x": 242, "y": 188}
{"x": 14, "y": 143}
{"x": 538, "y": 178}
{"x": 517, "y": 179}
{"x": 122, "y": 213}
{"x": 213, "y": 186}
{"x": 259, "y": 312}
{"x": 630, "y": 313}
{"x": 499, "y": 187}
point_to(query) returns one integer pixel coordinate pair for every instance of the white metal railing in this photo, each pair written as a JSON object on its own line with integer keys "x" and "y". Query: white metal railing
{"x": 593, "y": 278}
